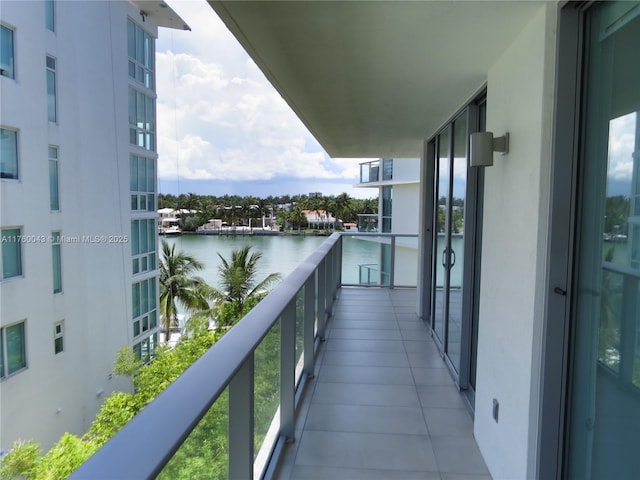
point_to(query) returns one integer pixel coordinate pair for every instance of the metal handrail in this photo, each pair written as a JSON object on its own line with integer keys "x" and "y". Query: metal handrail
{"x": 166, "y": 422}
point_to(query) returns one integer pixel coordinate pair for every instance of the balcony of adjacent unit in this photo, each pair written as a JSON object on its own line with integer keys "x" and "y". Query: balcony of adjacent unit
{"x": 329, "y": 376}
{"x": 376, "y": 172}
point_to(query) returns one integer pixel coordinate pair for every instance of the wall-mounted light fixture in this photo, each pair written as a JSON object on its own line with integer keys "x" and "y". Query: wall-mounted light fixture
{"x": 483, "y": 144}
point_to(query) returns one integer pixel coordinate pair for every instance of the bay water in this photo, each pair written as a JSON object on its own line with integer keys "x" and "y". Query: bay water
{"x": 280, "y": 253}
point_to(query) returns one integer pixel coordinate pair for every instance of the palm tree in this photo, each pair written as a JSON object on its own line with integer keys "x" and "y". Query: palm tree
{"x": 238, "y": 281}
{"x": 178, "y": 284}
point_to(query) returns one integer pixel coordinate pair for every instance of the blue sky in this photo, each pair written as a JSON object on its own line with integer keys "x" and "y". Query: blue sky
{"x": 222, "y": 127}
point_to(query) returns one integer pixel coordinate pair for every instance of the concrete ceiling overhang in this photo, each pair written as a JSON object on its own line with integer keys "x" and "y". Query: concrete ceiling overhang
{"x": 375, "y": 78}
{"x": 161, "y": 13}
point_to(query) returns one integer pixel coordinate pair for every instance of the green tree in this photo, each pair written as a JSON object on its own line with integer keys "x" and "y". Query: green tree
{"x": 239, "y": 285}
{"x": 616, "y": 214}
{"x": 296, "y": 216}
{"x": 341, "y": 205}
{"x": 178, "y": 284}
{"x": 21, "y": 461}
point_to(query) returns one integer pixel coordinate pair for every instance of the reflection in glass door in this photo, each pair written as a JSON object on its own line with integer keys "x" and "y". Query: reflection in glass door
{"x": 451, "y": 169}
{"x": 441, "y": 277}
{"x": 604, "y": 403}
{"x": 456, "y": 240}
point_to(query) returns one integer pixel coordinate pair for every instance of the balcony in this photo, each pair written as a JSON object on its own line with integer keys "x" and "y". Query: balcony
{"x": 356, "y": 389}
{"x": 369, "y": 172}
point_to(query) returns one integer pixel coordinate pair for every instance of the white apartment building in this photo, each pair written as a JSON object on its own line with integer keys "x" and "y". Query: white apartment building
{"x": 78, "y": 212}
{"x": 398, "y": 184}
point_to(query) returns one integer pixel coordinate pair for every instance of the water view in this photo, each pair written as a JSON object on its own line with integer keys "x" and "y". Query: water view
{"x": 280, "y": 254}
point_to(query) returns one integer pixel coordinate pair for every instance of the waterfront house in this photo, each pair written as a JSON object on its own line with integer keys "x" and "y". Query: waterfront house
{"x": 319, "y": 219}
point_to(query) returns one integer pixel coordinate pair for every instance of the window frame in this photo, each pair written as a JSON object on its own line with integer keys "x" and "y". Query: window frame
{"x": 54, "y": 163}
{"x": 58, "y": 337}
{"x": 12, "y": 72}
{"x": 142, "y": 119}
{"x": 145, "y": 318}
{"x": 56, "y": 251}
{"x": 145, "y": 196}
{"x": 4, "y": 351}
{"x": 52, "y": 106}
{"x": 15, "y": 153}
{"x": 50, "y": 15}
{"x": 17, "y": 240}
{"x": 141, "y": 67}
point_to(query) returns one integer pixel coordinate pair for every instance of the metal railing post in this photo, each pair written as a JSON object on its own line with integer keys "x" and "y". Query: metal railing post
{"x": 309, "y": 321}
{"x": 330, "y": 280}
{"x": 392, "y": 265}
{"x": 339, "y": 263}
{"x": 322, "y": 298}
{"x": 241, "y": 413}
{"x": 288, "y": 371}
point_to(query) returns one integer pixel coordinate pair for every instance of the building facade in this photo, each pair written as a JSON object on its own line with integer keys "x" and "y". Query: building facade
{"x": 398, "y": 184}
{"x": 78, "y": 213}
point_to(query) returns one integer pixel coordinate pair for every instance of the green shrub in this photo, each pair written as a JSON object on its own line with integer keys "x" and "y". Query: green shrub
{"x": 21, "y": 461}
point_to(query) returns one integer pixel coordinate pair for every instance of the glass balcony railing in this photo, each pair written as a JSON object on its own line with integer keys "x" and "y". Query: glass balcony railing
{"x": 370, "y": 172}
{"x": 231, "y": 413}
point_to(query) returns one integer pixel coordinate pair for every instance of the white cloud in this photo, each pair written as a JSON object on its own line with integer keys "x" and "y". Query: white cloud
{"x": 220, "y": 119}
{"x": 622, "y": 137}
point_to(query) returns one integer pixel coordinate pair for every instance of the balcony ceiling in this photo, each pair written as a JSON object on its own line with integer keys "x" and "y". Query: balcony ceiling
{"x": 375, "y": 78}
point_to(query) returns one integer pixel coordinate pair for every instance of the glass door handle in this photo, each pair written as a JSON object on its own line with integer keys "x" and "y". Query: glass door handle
{"x": 444, "y": 255}
{"x": 453, "y": 257}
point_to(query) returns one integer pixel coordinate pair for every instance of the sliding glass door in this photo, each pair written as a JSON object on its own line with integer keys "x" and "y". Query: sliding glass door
{"x": 455, "y": 229}
{"x": 604, "y": 401}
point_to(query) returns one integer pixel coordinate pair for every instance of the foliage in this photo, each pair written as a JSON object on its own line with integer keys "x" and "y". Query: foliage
{"x": 21, "y": 461}
{"x": 616, "y": 214}
{"x": 126, "y": 362}
{"x": 169, "y": 364}
{"x": 115, "y": 412}
{"x": 236, "y": 210}
{"x": 64, "y": 458}
{"x": 118, "y": 409}
{"x": 239, "y": 284}
{"x": 178, "y": 284}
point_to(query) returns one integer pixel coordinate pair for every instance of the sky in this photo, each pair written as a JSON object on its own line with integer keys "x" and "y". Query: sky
{"x": 222, "y": 127}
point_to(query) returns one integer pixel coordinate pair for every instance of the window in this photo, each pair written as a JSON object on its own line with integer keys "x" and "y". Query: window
{"x": 387, "y": 169}
{"x": 144, "y": 303}
{"x": 13, "y": 351}
{"x": 387, "y": 199}
{"x": 602, "y": 406}
{"x": 57, "y": 262}
{"x": 6, "y": 52}
{"x": 11, "y": 252}
{"x": 54, "y": 199}
{"x": 141, "y": 51}
{"x": 142, "y": 120}
{"x": 144, "y": 350}
{"x": 143, "y": 245}
{"x": 58, "y": 337}
{"x": 51, "y": 89}
{"x": 8, "y": 153}
{"x": 49, "y": 15}
{"x": 142, "y": 183}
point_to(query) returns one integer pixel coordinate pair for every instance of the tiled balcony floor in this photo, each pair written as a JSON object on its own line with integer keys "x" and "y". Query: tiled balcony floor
{"x": 382, "y": 404}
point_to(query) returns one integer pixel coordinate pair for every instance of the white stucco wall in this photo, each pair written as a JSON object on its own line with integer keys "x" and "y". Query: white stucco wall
{"x": 406, "y": 169}
{"x": 513, "y": 247}
{"x": 58, "y": 393}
